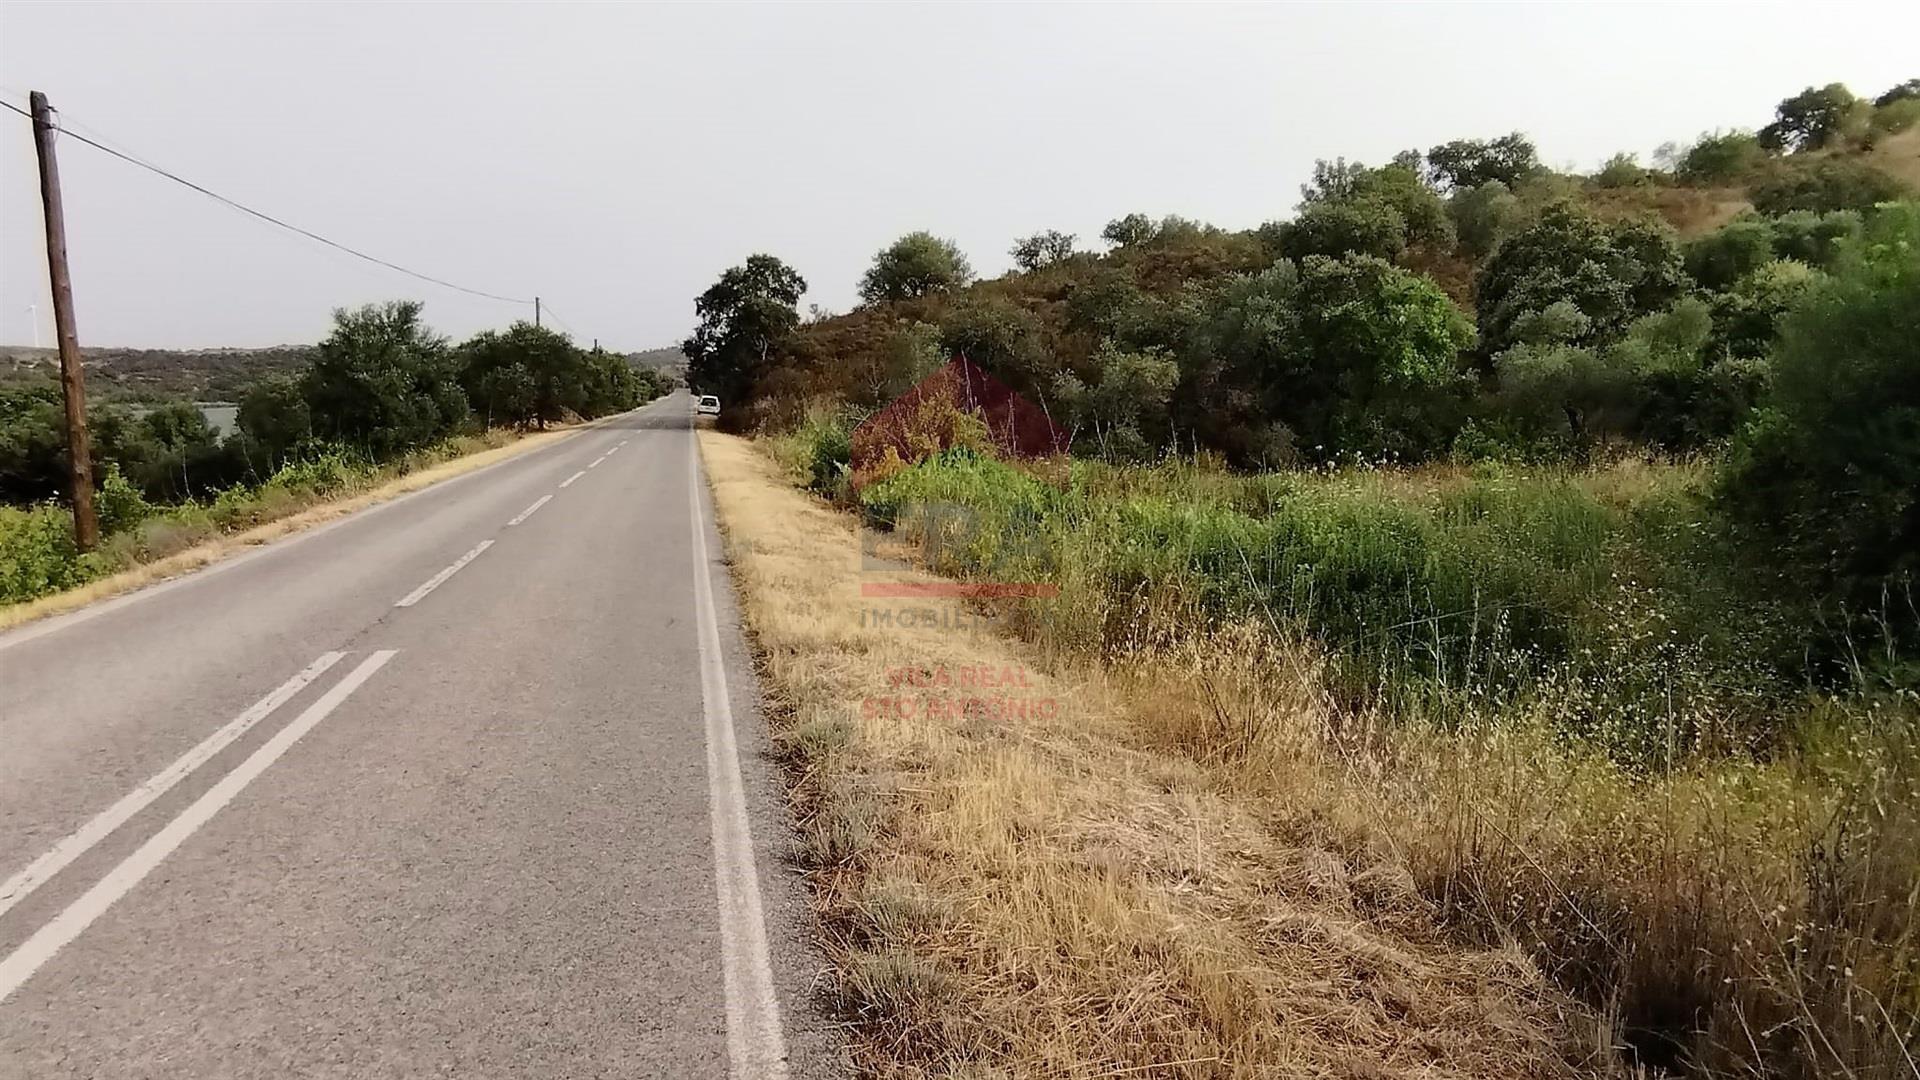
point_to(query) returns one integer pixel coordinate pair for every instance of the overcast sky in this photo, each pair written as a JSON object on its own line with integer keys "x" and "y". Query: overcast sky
{"x": 615, "y": 159}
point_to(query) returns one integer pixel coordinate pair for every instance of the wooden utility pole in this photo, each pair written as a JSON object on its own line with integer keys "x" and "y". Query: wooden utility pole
{"x": 73, "y": 385}
{"x": 536, "y": 311}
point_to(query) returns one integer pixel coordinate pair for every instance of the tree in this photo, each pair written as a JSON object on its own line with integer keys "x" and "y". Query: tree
{"x": 1896, "y": 110}
{"x": 382, "y": 381}
{"x": 33, "y": 444}
{"x": 1611, "y": 273}
{"x": 1814, "y": 119}
{"x": 1813, "y": 238}
{"x": 1332, "y": 181}
{"x": 1336, "y": 355}
{"x": 1483, "y": 216}
{"x": 1388, "y": 343}
{"x": 1823, "y": 184}
{"x": 1472, "y": 162}
{"x": 1894, "y": 117}
{"x": 1731, "y": 252}
{"x": 1343, "y": 226}
{"x": 273, "y": 422}
{"x": 914, "y": 265}
{"x": 743, "y": 317}
{"x": 527, "y": 375}
{"x": 182, "y": 457}
{"x": 1042, "y": 249}
{"x": 1906, "y": 91}
{"x": 1747, "y": 315}
{"x": 609, "y": 383}
{"x": 1354, "y": 209}
{"x": 911, "y": 352}
{"x": 1830, "y": 472}
{"x": 1130, "y": 230}
{"x": 1645, "y": 385}
{"x": 1720, "y": 158}
{"x": 999, "y": 335}
{"x": 1124, "y": 408}
{"x": 1621, "y": 170}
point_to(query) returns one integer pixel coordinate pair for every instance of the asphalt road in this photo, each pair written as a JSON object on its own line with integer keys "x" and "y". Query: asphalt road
{"x": 448, "y": 788}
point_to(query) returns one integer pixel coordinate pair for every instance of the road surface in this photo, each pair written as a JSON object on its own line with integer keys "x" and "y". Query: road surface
{"x": 447, "y": 788}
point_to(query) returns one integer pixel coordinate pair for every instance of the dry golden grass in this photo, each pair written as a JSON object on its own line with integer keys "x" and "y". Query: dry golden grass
{"x": 1692, "y": 211}
{"x": 296, "y": 519}
{"x": 1144, "y": 870}
{"x": 1899, "y": 155}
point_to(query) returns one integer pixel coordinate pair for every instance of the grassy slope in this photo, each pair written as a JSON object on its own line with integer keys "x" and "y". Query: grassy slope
{"x": 1104, "y": 889}
{"x": 1899, "y": 155}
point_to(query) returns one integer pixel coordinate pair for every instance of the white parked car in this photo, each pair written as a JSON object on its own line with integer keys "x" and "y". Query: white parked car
{"x": 708, "y": 405}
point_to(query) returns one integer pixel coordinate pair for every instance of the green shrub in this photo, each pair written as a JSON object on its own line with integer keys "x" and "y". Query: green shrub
{"x": 1824, "y": 184}
{"x": 37, "y": 553}
{"x": 322, "y": 474}
{"x": 1721, "y": 157}
{"x": 118, "y": 503}
{"x": 1830, "y": 472}
{"x": 825, "y": 452}
{"x": 1619, "y": 612}
{"x": 958, "y": 477}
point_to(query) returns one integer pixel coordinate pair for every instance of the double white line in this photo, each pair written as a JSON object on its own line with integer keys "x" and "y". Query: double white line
{"x": 20, "y": 965}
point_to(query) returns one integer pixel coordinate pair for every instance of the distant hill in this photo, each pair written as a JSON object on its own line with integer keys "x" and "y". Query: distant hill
{"x": 206, "y": 374}
{"x": 145, "y": 374}
{"x": 670, "y": 360}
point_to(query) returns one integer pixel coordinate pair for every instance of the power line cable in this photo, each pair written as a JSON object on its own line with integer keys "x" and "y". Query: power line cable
{"x": 547, "y": 310}
{"x": 270, "y": 219}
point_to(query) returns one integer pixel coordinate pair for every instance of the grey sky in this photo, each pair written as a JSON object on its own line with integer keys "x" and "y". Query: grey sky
{"x": 614, "y": 159}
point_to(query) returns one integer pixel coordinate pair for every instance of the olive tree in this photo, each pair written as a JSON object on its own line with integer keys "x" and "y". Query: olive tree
{"x": 914, "y": 265}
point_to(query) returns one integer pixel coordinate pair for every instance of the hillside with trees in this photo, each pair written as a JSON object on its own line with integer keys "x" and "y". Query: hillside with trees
{"x": 1583, "y": 508}
{"x": 1554, "y": 271}
{"x": 133, "y": 375}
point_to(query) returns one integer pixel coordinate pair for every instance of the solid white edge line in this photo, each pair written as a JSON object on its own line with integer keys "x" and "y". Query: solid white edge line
{"x": 756, "y": 1044}
{"x": 440, "y": 578}
{"x": 81, "y": 840}
{"x": 528, "y": 512}
{"x": 20, "y": 965}
{"x": 569, "y": 480}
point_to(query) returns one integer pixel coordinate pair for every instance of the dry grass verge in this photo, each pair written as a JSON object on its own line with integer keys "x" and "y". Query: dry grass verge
{"x": 161, "y": 556}
{"x": 1028, "y": 870}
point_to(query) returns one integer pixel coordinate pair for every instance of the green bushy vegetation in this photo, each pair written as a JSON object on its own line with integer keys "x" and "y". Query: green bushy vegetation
{"x": 1253, "y": 344}
{"x": 1444, "y": 597}
{"x": 38, "y": 556}
{"x": 1593, "y": 497}
{"x": 381, "y": 396}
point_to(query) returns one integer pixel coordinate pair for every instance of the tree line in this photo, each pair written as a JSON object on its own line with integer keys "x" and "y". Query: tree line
{"x": 381, "y": 384}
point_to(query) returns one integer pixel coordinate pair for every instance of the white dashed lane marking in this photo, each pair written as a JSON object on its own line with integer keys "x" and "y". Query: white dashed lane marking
{"x": 440, "y": 578}
{"x": 528, "y": 512}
